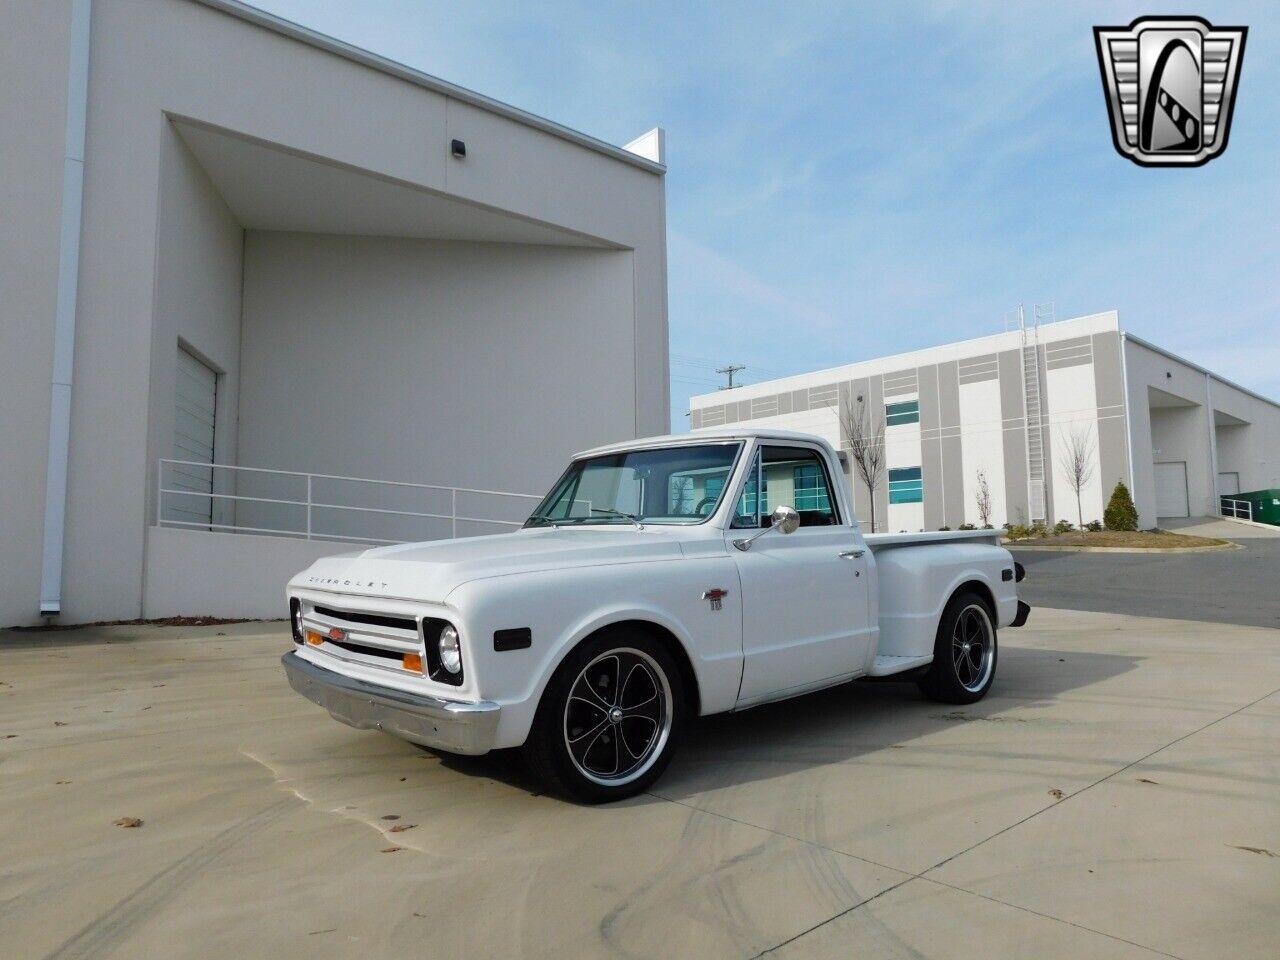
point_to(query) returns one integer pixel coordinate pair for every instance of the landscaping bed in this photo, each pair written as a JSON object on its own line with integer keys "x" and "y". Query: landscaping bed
{"x": 1118, "y": 539}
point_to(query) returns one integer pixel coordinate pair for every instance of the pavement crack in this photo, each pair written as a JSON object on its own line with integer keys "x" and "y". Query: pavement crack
{"x": 1114, "y": 773}
{"x": 836, "y": 916}
{"x": 1049, "y": 916}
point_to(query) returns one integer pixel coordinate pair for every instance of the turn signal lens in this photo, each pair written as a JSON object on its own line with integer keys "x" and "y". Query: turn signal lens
{"x": 314, "y": 638}
{"x": 413, "y": 661}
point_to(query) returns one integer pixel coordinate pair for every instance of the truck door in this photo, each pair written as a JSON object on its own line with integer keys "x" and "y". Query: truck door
{"x": 805, "y": 615}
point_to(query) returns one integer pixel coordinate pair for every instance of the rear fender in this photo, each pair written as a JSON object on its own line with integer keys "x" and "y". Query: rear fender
{"x": 915, "y": 584}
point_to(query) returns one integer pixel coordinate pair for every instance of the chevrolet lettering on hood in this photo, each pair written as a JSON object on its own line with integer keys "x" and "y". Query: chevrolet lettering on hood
{"x": 358, "y": 584}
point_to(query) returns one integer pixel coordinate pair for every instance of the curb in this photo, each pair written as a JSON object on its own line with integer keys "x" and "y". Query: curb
{"x": 1212, "y": 548}
{"x": 1256, "y": 525}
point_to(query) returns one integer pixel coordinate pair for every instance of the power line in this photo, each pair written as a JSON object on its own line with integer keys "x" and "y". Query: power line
{"x": 729, "y": 371}
{"x": 710, "y": 363}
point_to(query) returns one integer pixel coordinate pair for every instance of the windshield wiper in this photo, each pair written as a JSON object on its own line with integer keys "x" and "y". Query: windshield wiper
{"x": 539, "y": 519}
{"x": 618, "y": 513}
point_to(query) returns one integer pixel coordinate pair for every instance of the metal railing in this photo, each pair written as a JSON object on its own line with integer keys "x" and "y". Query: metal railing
{"x": 1239, "y": 509}
{"x": 310, "y": 504}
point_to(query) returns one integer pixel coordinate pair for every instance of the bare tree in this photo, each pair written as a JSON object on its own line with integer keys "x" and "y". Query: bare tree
{"x": 983, "y": 498}
{"x": 866, "y": 447}
{"x": 1077, "y": 452}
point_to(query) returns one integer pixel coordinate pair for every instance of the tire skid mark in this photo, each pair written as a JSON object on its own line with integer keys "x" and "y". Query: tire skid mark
{"x": 101, "y": 935}
{"x": 710, "y": 897}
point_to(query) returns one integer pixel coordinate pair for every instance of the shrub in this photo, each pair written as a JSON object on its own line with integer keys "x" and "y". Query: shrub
{"x": 1120, "y": 514}
{"x": 940, "y": 529}
{"x": 1038, "y": 529}
{"x": 966, "y": 526}
{"x": 1094, "y": 526}
{"x": 1063, "y": 526}
{"x": 1018, "y": 531}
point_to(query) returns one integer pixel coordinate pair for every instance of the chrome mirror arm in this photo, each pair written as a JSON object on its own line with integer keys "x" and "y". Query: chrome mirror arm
{"x": 784, "y": 519}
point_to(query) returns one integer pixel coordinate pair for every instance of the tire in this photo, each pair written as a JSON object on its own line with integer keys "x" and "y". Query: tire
{"x": 606, "y": 725}
{"x": 964, "y": 653}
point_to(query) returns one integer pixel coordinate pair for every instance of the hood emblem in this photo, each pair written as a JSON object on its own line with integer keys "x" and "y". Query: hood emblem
{"x": 336, "y": 634}
{"x": 716, "y": 596}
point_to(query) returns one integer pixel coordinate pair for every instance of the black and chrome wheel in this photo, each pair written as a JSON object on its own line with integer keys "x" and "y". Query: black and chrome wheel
{"x": 964, "y": 653}
{"x": 605, "y": 725}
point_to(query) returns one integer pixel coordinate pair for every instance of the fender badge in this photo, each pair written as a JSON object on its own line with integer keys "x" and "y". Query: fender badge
{"x": 716, "y": 596}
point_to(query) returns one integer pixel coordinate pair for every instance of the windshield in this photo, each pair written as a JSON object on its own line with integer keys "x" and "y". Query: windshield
{"x": 666, "y": 485}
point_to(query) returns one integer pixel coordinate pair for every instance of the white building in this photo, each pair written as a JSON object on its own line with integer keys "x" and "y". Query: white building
{"x": 1008, "y": 407}
{"x": 231, "y": 241}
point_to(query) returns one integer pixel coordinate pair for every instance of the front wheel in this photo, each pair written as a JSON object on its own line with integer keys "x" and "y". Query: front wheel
{"x": 964, "y": 652}
{"x": 606, "y": 724}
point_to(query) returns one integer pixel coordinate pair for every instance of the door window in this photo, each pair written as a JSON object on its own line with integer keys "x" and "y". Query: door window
{"x": 795, "y": 476}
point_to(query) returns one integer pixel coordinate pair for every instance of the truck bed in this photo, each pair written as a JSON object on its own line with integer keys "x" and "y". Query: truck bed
{"x": 877, "y": 541}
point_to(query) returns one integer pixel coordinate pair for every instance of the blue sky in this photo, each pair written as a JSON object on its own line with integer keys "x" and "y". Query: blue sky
{"x": 851, "y": 180}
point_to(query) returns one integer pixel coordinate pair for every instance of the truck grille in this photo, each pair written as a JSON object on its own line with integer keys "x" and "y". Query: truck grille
{"x": 370, "y": 638}
{"x": 369, "y": 619}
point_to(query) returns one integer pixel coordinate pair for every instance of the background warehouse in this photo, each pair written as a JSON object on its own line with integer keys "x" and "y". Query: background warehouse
{"x": 1008, "y": 405}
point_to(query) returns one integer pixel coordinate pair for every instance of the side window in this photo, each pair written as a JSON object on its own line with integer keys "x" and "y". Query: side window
{"x": 788, "y": 475}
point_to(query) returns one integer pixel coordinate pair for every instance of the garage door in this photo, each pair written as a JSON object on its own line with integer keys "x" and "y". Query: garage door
{"x": 1171, "y": 489}
{"x": 196, "y": 396}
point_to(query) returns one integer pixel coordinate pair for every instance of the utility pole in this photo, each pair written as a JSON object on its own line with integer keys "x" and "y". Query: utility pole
{"x": 729, "y": 371}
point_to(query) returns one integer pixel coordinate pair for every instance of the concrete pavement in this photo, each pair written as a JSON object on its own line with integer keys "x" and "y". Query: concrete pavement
{"x": 1115, "y": 796}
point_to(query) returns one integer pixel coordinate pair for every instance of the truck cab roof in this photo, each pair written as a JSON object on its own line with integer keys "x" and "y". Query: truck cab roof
{"x": 708, "y": 435}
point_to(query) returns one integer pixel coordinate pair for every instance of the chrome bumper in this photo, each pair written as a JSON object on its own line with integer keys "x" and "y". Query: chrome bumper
{"x": 450, "y": 725}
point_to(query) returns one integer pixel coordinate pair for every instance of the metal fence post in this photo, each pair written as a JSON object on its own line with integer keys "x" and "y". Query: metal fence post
{"x": 453, "y": 510}
{"x": 308, "y": 506}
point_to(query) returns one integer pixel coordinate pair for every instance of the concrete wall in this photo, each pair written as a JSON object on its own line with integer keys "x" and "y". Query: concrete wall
{"x": 34, "y": 40}
{"x": 197, "y": 573}
{"x": 473, "y": 365}
{"x": 1175, "y": 408}
{"x": 148, "y": 216}
{"x": 1247, "y": 435}
{"x": 199, "y": 247}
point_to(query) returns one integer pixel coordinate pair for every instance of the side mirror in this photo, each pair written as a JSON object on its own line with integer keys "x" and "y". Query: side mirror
{"x": 785, "y": 519}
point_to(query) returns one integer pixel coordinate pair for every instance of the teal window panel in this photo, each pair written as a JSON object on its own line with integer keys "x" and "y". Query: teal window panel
{"x": 811, "y": 489}
{"x": 906, "y": 485}
{"x": 908, "y": 411}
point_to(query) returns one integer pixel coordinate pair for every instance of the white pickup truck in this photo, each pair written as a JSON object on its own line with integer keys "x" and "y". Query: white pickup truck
{"x": 658, "y": 580}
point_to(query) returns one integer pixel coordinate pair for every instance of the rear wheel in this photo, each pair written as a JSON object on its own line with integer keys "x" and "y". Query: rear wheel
{"x": 606, "y": 724}
{"x": 964, "y": 653}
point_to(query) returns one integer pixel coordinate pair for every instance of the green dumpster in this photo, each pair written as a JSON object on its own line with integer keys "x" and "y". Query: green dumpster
{"x": 1261, "y": 506}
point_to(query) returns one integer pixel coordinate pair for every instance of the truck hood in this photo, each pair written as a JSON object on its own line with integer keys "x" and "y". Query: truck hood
{"x": 430, "y": 571}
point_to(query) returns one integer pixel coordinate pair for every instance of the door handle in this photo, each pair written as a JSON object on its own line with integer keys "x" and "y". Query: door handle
{"x": 852, "y": 554}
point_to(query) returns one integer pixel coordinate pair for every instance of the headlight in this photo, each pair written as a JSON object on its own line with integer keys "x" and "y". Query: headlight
{"x": 450, "y": 649}
{"x": 295, "y": 618}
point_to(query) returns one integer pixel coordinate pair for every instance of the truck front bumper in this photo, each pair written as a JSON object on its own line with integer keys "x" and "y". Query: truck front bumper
{"x": 454, "y": 726}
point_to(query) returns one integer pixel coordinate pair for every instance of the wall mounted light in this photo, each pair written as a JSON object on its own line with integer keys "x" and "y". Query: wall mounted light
{"x": 458, "y": 149}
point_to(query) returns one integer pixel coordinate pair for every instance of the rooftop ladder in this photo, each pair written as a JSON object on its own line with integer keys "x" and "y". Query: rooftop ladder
{"x": 1032, "y": 394}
